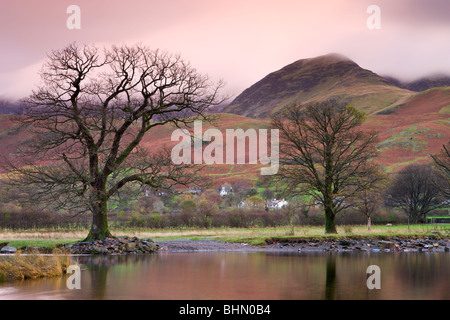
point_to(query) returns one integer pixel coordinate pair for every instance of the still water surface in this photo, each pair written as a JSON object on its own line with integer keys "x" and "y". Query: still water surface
{"x": 247, "y": 276}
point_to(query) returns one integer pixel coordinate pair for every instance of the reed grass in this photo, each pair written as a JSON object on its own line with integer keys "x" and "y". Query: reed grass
{"x": 32, "y": 266}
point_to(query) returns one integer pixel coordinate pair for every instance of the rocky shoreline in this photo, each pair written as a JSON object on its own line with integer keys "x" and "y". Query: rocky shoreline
{"x": 134, "y": 245}
{"x": 381, "y": 244}
{"x": 113, "y": 245}
{"x": 410, "y": 244}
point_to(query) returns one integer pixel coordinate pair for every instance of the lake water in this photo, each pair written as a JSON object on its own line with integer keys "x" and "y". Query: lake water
{"x": 247, "y": 276}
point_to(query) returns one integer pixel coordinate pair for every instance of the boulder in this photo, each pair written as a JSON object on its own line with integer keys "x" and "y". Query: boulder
{"x": 99, "y": 250}
{"x": 8, "y": 250}
{"x": 345, "y": 242}
{"x": 383, "y": 244}
{"x": 131, "y": 247}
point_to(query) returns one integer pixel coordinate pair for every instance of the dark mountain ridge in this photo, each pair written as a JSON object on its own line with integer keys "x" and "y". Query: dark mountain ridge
{"x": 422, "y": 84}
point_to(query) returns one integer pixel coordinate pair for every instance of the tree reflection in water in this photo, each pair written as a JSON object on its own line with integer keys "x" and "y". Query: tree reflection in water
{"x": 330, "y": 281}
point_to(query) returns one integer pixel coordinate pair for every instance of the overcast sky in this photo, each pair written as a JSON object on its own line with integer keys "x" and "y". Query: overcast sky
{"x": 237, "y": 41}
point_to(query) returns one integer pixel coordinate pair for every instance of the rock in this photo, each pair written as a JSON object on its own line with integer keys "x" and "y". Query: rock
{"x": 386, "y": 244}
{"x": 7, "y": 249}
{"x": 3, "y": 244}
{"x": 131, "y": 246}
{"x": 344, "y": 242}
{"x": 99, "y": 250}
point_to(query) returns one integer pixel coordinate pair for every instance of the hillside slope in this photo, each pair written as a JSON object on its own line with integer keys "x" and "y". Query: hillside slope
{"x": 408, "y": 134}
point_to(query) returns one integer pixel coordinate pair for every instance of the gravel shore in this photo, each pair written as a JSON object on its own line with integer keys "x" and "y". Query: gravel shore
{"x": 204, "y": 246}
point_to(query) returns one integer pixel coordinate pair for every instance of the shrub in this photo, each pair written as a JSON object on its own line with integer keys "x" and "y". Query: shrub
{"x": 155, "y": 221}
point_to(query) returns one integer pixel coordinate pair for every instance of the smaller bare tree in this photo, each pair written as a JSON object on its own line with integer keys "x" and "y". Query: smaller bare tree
{"x": 413, "y": 189}
{"x": 370, "y": 199}
{"x": 295, "y": 208}
{"x": 442, "y": 164}
{"x": 369, "y": 203}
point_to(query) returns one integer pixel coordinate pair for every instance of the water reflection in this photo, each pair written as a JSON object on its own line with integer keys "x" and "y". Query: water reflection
{"x": 330, "y": 282}
{"x": 256, "y": 276}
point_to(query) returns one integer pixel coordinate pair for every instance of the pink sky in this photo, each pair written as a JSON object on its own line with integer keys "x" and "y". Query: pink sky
{"x": 237, "y": 41}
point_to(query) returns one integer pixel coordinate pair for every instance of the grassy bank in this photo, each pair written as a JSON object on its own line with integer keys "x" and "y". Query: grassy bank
{"x": 48, "y": 239}
{"x": 21, "y": 267}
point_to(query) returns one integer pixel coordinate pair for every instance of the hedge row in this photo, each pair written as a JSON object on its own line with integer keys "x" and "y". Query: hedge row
{"x": 31, "y": 219}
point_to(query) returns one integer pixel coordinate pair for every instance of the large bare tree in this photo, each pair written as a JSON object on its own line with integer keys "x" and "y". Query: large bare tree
{"x": 326, "y": 155}
{"x": 90, "y": 115}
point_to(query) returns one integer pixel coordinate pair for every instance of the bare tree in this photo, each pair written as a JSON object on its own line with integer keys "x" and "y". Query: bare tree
{"x": 370, "y": 199}
{"x": 442, "y": 164}
{"x": 89, "y": 117}
{"x": 326, "y": 155}
{"x": 413, "y": 189}
{"x": 295, "y": 208}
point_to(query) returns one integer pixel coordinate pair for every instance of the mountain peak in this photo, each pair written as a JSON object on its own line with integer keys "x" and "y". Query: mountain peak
{"x": 313, "y": 80}
{"x": 322, "y": 61}
{"x": 329, "y": 58}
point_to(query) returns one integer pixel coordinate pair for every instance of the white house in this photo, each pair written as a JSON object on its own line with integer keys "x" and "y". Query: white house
{"x": 276, "y": 204}
{"x": 224, "y": 190}
{"x": 195, "y": 190}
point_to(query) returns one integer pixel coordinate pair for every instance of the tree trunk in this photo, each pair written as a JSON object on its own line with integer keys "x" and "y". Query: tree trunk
{"x": 368, "y": 223}
{"x": 330, "y": 226}
{"x": 99, "y": 228}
